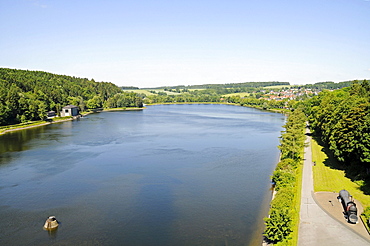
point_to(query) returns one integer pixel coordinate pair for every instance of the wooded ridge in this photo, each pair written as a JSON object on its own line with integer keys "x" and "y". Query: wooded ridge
{"x": 29, "y": 95}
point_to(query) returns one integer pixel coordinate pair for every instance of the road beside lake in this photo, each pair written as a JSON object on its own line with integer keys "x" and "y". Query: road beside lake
{"x": 316, "y": 226}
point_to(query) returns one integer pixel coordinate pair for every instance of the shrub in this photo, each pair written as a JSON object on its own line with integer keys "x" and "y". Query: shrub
{"x": 283, "y": 212}
{"x": 367, "y": 215}
{"x": 283, "y": 198}
{"x": 283, "y": 179}
{"x": 287, "y": 164}
{"x": 278, "y": 225}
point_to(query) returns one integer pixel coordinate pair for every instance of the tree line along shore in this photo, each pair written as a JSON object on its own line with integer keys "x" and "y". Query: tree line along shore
{"x": 29, "y": 95}
{"x": 338, "y": 115}
{"x": 340, "y": 124}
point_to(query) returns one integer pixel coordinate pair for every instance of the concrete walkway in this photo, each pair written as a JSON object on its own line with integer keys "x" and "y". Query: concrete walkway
{"x": 316, "y": 226}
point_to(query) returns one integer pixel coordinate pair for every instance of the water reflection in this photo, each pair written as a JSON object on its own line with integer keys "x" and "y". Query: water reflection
{"x": 168, "y": 175}
{"x": 52, "y": 234}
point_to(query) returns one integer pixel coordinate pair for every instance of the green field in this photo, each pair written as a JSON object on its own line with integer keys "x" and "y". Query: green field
{"x": 329, "y": 179}
{"x": 139, "y": 91}
{"x": 196, "y": 89}
{"x": 167, "y": 92}
{"x": 241, "y": 94}
{"x": 277, "y": 86}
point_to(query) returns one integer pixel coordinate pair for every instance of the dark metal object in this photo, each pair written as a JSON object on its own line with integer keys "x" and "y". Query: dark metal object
{"x": 350, "y": 209}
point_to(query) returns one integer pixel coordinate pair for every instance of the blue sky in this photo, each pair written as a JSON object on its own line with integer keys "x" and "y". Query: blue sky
{"x": 159, "y": 42}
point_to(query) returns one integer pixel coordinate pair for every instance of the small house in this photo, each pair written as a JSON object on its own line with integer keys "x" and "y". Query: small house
{"x": 51, "y": 114}
{"x": 69, "y": 110}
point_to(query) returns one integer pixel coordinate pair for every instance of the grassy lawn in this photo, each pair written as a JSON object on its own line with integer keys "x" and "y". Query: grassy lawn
{"x": 297, "y": 207}
{"x": 241, "y": 94}
{"x": 22, "y": 125}
{"x": 328, "y": 179}
{"x": 146, "y": 92}
{"x": 196, "y": 89}
{"x": 4, "y": 129}
{"x": 277, "y": 86}
{"x": 123, "y": 109}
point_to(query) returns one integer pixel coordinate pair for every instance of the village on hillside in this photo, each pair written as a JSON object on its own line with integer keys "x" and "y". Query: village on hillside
{"x": 290, "y": 94}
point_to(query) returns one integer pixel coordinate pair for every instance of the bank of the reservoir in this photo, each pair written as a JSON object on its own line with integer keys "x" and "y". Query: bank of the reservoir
{"x": 27, "y": 125}
{"x": 32, "y": 124}
{"x": 168, "y": 175}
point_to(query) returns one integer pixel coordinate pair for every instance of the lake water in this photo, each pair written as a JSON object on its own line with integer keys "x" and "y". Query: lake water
{"x": 167, "y": 175}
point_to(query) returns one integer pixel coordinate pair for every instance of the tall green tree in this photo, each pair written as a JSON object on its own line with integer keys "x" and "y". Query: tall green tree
{"x": 28, "y": 95}
{"x": 342, "y": 119}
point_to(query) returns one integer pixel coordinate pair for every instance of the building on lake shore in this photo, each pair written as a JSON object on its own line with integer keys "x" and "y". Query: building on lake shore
{"x": 69, "y": 110}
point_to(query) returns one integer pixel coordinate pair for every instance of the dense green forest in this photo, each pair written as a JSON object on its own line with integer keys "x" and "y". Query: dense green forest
{"x": 254, "y": 99}
{"x": 29, "y": 95}
{"x": 129, "y": 88}
{"x": 185, "y": 96}
{"x": 341, "y": 119}
{"x": 197, "y": 92}
{"x": 329, "y": 85}
{"x": 224, "y": 86}
{"x": 257, "y": 93}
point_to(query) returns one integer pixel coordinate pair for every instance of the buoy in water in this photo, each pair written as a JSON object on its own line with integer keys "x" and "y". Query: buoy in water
{"x": 51, "y": 223}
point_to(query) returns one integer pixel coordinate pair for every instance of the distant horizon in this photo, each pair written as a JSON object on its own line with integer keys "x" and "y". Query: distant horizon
{"x": 163, "y": 43}
{"x": 184, "y": 84}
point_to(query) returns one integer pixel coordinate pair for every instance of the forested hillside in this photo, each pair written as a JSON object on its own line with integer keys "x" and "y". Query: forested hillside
{"x": 329, "y": 85}
{"x": 29, "y": 95}
{"x": 224, "y": 86}
{"x": 342, "y": 119}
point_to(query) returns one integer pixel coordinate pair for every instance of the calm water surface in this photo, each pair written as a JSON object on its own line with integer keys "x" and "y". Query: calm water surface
{"x": 167, "y": 175}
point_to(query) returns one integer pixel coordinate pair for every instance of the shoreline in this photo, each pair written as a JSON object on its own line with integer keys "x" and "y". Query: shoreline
{"x": 270, "y": 197}
{"x": 125, "y": 109}
{"x": 35, "y": 125}
{"x": 44, "y": 123}
{"x": 272, "y": 110}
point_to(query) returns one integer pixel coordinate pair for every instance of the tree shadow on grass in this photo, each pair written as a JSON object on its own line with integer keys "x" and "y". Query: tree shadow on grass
{"x": 365, "y": 187}
{"x": 354, "y": 172}
{"x": 330, "y": 161}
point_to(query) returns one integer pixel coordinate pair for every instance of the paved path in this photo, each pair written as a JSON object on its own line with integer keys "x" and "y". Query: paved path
{"x": 316, "y": 226}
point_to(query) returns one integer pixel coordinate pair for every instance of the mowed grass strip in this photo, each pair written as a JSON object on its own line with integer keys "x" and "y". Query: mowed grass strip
{"x": 277, "y": 86}
{"x": 297, "y": 206}
{"x": 240, "y": 94}
{"x": 333, "y": 180}
{"x": 140, "y": 91}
